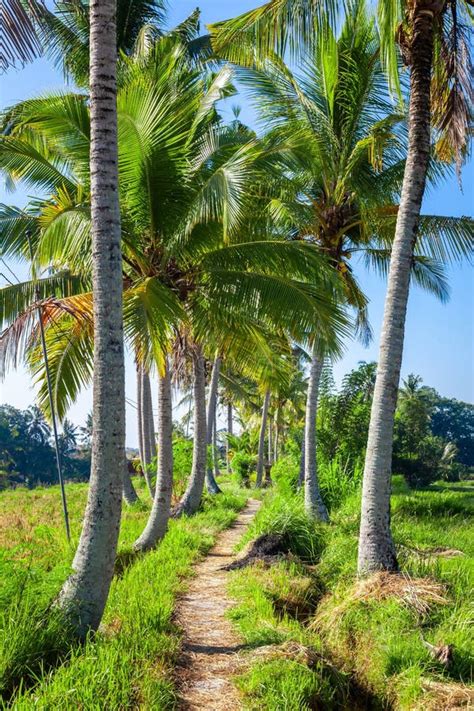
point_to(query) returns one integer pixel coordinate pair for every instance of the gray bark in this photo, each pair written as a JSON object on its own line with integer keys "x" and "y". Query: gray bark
{"x": 314, "y": 505}
{"x": 229, "y": 432}
{"x": 270, "y": 435}
{"x": 215, "y": 451}
{"x": 148, "y": 433}
{"x": 261, "y": 440}
{"x": 302, "y": 460}
{"x": 85, "y": 593}
{"x": 140, "y": 414}
{"x": 157, "y": 523}
{"x": 150, "y": 426}
{"x": 276, "y": 445}
{"x": 191, "y": 499}
{"x": 129, "y": 494}
{"x": 376, "y": 548}
{"x": 212, "y": 485}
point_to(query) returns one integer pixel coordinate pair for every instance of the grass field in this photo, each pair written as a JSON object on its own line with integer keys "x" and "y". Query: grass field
{"x": 128, "y": 664}
{"x": 316, "y": 637}
{"x": 323, "y": 640}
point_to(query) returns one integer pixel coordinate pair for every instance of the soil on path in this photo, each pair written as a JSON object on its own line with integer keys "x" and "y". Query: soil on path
{"x": 209, "y": 656}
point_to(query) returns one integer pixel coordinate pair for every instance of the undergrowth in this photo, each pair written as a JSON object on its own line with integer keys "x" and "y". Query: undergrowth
{"x": 372, "y": 645}
{"x": 127, "y": 664}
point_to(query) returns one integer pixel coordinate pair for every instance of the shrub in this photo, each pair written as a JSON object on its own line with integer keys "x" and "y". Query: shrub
{"x": 182, "y": 463}
{"x": 242, "y": 465}
{"x": 285, "y": 473}
{"x": 286, "y": 516}
{"x": 338, "y": 480}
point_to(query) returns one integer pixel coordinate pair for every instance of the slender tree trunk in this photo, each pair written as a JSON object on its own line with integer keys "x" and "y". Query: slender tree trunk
{"x": 157, "y": 523}
{"x": 140, "y": 415}
{"x": 277, "y": 438}
{"x": 191, "y": 499}
{"x": 212, "y": 485}
{"x": 270, "y": 435}
{"x": 229, "y": 432}
{"x": 261, "y": 440}
{"x": 215, "y": 451}
{"x": 129, "y": 494}
{"x": 314, "y": 504}
{"x": 85, "y": 593}
{"x": 147, "y": 418}
{"x": 376, "y": 548}
{"x": 150, "y": 426}
{"x": 302, "y": 461}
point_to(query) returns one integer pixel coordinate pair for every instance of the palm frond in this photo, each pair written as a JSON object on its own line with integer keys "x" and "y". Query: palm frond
{"x": 20, "y": 41}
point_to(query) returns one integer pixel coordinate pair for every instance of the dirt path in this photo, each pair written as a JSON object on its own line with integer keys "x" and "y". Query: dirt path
{"x": 208, "y": 659}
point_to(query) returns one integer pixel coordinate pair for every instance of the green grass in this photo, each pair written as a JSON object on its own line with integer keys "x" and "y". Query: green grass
{"x": 127, "y": 664}
{"x": 372, "y": 650}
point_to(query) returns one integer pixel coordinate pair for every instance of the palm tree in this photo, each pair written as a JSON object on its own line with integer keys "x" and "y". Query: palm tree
{"x": 38, "y": 428}
{"x": 434, "y": 45}
{"x": 86, "y": 431}
{"x": 20, "y": 41}
{"x": 342, "y": 147}
{"x": 65, "y": 32}
{"x": 433, "y": 41}
{"x": 212, "y": 485}
{"x": 146, "y": 430}
{"x": 157, "y": 523}
{"x": 182, "y": 264}
{"x": 68, "y": 439}
{"x": 261, "y": 438}
{"x": 85, "y": 593}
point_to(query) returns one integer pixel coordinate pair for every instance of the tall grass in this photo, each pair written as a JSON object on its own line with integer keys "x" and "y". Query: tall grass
{"x": 286, "y": 517}
{"x": 128, "y": 663}
{"x": 378, "y": 645}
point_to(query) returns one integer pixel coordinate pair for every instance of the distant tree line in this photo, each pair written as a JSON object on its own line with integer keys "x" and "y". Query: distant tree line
{"x": 433, "y": 437}
{"x": 27, "y": 455}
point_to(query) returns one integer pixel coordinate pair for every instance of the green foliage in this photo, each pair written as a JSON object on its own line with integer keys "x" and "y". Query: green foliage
{"x": 344, "y": 415}
{"x": 431, "y": 436}
{"x": 338, "y": 480}
{"x": 418, "y": 454}
{"x": 27, "y": 456}
{"x": 454, "y": 422}
{"x": 286, "y": 516}
{"x": 182, "y": 463}
{"x": 285, "y": 473}
{"x": 370, "y": 651}
{"x": 242, "y": 466}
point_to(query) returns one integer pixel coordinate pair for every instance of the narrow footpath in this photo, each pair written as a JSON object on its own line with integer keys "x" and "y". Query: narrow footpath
{"x": 210, "y": 646}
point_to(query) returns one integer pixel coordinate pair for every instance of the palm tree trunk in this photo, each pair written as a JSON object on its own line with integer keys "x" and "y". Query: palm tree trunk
{"x": 314, "y": 504}
{"x": 277, "y": 437}
{"x": 229, "y": 432}
{"x": 191, "y": 499}
{"x": 212, "y": 485}
{"x": 261, "y": 440}
{"x": 157, "y": 523}
{"x": 147, "y": 417}
{"x": 376, "y": 548}
{"x": 129, "y": 494}
{"x": 215, "y": 451}
{"x": 301, "y": 473}
{"x": 150, "y": 427}
{"x": 85, "y": 593}
{"x": 140, "y": 415}
{"x": 270, "y": 435}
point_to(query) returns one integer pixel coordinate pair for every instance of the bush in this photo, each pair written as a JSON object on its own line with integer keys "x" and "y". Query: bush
{"x": 285, "y": 474}
{"x": 338, "y": 480}
{"x": 182, "y": 463}
{"x": 286, "y": 516}
{"x": 242, "y": 465}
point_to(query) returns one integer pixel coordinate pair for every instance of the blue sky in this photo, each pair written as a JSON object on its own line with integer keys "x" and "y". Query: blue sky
{"x": 439, "y": 341}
